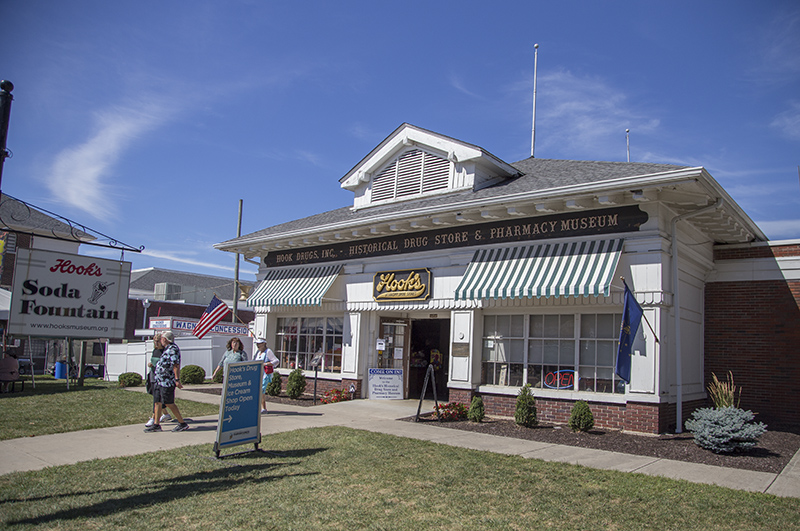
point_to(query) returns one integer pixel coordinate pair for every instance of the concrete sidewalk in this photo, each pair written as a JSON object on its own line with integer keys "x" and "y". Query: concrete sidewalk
{"x": 33, "y": 453}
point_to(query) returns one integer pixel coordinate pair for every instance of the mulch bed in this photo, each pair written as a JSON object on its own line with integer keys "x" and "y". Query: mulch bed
{"x": 774, "y": 450}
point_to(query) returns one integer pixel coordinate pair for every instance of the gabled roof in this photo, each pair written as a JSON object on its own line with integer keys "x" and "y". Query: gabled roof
{"x": 18, "y": 216}
{"x": 407, "y": 135}
{"x": 146, "y": 279}
{"x": 539, "y": 186}
{"x": 537, "y": 175}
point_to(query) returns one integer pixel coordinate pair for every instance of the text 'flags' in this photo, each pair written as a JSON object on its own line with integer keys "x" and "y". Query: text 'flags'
{"x": 631, "y": 318}
{"x": 214, "y": 313}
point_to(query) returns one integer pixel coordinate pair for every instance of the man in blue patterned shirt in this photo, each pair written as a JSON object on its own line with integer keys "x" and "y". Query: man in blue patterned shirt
{"x": 167, "y": 376}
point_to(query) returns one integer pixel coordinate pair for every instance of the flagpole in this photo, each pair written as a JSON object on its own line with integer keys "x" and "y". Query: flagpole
{"x": 645, "y": 317}
{"x": 250, "y": 332}
{"x": 533, "y": 120}
{"x": 247, "y": 325}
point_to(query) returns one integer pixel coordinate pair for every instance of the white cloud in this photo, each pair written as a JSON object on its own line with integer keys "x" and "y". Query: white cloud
{"x": 779, "y": 49}
{"x": 80, "y": 174}
{"x": 586, "y": 117}
{"x": 171, "y": 256}
{"x": 457, "y": 84}
{"x": 788, "y": 122}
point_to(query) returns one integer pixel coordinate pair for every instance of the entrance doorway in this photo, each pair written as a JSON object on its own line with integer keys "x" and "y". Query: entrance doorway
{"x": 430, "y": 344}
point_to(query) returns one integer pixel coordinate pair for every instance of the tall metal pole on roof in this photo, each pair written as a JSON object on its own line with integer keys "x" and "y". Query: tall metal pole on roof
{"x": 533, "y": 126}
{"x": 628, "y": 141}
{"x": 5, "y": 114}
{"x": 236, "y": 268}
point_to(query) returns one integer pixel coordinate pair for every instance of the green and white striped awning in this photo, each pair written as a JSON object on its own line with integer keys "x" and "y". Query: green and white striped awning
{"x": 545, "y": 270}
{"x": 304, "y": 286}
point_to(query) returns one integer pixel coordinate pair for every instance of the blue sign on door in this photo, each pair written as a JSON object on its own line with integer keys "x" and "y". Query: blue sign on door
{"x": 239, "y": 413}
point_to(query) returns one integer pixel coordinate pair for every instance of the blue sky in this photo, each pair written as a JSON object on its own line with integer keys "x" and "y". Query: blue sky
{"x": 148, "y": 121}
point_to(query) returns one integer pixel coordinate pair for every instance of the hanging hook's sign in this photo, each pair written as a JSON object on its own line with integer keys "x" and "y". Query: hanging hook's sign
{"x": 405, "y": 285}
{"x": 68, "y": 295}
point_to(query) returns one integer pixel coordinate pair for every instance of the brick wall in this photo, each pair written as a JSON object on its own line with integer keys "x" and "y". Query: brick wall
{"x": 10, "y": 259}
{"x": 323, "y": 386}
{"x": 633, "y": 416}
{"x": 753, "y": 330}
{"x": 761, "y": 251}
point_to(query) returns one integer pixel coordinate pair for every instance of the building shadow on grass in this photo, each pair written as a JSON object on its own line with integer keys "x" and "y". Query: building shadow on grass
{"x": 141, "y": 497}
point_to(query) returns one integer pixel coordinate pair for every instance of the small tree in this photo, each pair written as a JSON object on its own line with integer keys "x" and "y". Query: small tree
{"x": 724, "y": 429}
{"x": 525, "y": 412}
{"x": 296, "y": 384}
{"x": 581, "y": 418}
{"x": 476, "y": 411}
{"x": 274, "y": 387}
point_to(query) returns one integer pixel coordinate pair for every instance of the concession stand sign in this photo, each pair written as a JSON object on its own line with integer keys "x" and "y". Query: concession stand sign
{"x": 68, "y": 295}
{"x": 588, "y": 223}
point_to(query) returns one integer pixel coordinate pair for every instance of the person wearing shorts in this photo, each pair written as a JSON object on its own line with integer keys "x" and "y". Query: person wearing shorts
{"x": 167, "y": 376}
{"x": 271, "y": 361}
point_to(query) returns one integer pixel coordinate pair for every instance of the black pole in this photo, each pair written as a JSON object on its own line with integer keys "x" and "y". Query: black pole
{"x": 316, "y": 368}
{"x": 5, "y": 114}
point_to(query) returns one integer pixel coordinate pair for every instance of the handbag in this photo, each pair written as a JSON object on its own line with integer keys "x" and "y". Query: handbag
{"x": 268, "y": 369}
{"x": 148, "y": 384}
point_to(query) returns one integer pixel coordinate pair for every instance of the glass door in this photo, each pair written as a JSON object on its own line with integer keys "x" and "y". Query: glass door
{"x": 395, "y": 336}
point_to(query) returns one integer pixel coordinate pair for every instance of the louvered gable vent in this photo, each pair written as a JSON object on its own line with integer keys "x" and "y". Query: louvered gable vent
{"x": 415, "y": 172}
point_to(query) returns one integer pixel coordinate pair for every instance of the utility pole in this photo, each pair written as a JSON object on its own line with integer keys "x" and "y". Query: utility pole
{"x": 5, "y": 113}
{"x": 236, "y": 268}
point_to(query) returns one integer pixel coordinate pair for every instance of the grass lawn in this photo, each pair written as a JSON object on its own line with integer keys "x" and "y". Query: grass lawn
{"x": 340, "y": 478}
{"x": 50, "y": 408}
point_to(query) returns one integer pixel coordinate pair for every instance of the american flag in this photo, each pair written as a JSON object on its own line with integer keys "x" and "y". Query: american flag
{"x": 214, "y": 313}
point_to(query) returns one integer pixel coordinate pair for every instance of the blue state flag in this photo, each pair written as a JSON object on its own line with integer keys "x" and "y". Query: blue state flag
{"x": 631, "y": 318}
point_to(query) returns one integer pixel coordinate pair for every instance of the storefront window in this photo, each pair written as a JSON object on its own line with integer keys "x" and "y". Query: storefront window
{"x": 299, "y": 339}
{"x": 504, "y": 350}
{"x": 569, "y": 352}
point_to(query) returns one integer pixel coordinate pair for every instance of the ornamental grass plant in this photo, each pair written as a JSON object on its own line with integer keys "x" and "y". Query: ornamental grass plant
{"x": 723, "y": 394}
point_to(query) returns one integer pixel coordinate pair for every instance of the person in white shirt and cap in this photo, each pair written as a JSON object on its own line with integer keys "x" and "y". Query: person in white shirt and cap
{"x": 271, "y": 362}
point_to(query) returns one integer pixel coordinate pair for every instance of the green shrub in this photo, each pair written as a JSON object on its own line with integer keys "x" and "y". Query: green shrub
{"x": 296, "y": 384}
{"x": 130, "y": 379}
{"x": 581, "y": 418}
{"x": 451, "y": 411}
{"x": 525, "y": 412}
{"x": 192, "y": 374}
{"x": 219, "y": 376}
{"x": 274, "y": 387}
{"x": 476, "y": 411}
{"x": 725, "y": 429}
